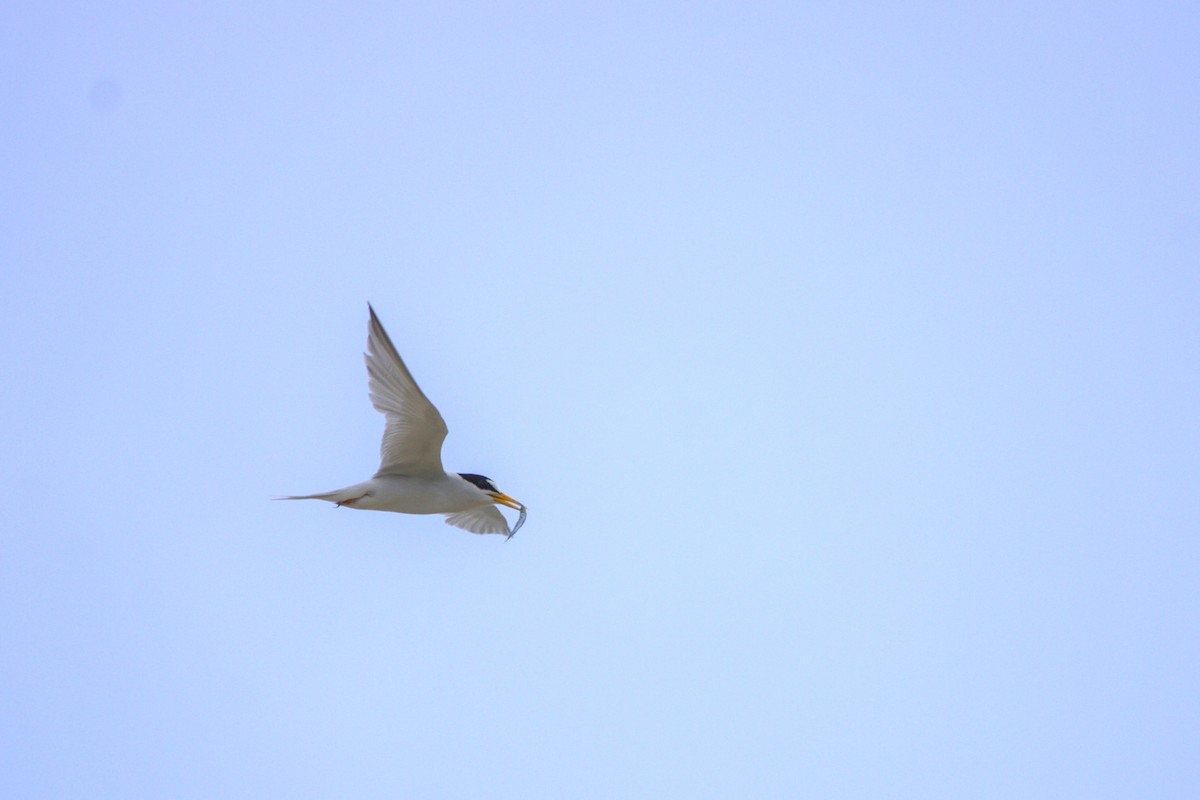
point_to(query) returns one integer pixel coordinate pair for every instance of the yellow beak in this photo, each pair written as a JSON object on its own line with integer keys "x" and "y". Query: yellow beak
{"x": 505, "y": 500}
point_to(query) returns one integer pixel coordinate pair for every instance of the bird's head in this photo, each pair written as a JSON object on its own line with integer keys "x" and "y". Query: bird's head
{"x": 488, "y": 487}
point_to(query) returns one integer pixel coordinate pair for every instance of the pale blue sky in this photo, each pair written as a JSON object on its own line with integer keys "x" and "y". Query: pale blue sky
{"x": 846, "y": 354}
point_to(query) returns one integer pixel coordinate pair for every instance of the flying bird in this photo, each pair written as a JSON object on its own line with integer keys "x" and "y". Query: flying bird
{"x": 411, "y": 479}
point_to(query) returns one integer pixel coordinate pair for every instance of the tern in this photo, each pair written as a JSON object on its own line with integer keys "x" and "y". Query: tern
{"x": 411, "y": 479}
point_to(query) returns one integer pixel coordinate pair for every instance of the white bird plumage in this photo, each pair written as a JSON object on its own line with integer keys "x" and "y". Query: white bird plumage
{"x": 411, "y": 479}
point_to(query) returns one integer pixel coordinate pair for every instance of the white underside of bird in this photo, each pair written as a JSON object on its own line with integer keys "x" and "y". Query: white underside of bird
{"x": 411, "y": 479}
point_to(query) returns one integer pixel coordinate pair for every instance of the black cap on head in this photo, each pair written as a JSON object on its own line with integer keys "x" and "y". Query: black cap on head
{"x": 483, "y": 483}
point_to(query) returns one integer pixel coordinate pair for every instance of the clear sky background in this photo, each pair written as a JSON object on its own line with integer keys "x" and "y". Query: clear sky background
{"x": 847, "y": 356}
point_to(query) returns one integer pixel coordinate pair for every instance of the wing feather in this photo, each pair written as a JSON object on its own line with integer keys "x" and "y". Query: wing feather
{"x": 413, "y": 435}
{"x": 481, "y": 519}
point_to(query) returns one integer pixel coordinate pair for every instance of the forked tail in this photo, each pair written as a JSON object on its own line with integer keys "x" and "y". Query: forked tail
{"x": 332, "y": 497}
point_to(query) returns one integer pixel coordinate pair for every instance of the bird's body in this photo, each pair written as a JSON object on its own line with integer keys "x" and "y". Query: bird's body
{"x": 411, "y": 479}
{"x": 407, "y": 494}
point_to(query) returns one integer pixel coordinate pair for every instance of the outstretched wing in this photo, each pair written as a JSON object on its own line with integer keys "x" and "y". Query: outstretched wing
{"x": 481, "y": 519}
{"x": 412, "y": 439}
